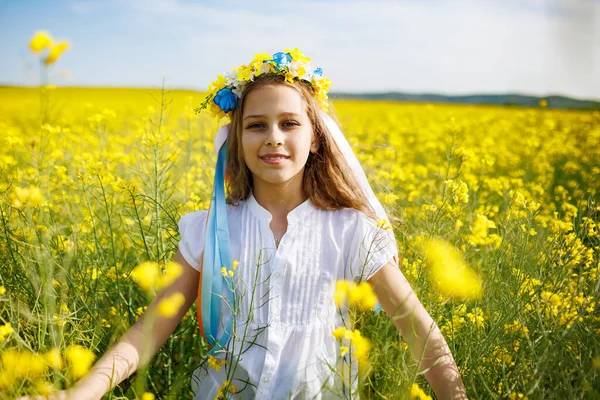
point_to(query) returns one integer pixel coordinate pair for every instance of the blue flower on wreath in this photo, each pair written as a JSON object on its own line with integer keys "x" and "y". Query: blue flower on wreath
{"x": 282, "y": 59}
{"x": 226, "y": 99}
{"x": 318, "y": 71}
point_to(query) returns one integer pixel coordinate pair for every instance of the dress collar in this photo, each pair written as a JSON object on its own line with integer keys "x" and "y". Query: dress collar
{"x": 297, "y": 214}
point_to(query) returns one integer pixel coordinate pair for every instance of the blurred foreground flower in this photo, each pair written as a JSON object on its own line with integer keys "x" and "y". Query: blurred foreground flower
{"x": 80, "y": 360}
{"x": 40, "y": 41}
{"x": 56, "y": 51}
{"x": 170, "y": 305}
{"x": 361, "y": 295}
{"x": 416, "y": 393}
{"x": 147, "y": 275}
{"x": 449, "y": 274}
{"x": 17, "y": 365}
{"x": 54, "y": 359}
{"x": 360, "y": 344}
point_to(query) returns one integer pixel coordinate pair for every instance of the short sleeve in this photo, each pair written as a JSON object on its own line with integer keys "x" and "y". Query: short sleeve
{"x": 192, "y": 229}
{"x": 370, "y": 249}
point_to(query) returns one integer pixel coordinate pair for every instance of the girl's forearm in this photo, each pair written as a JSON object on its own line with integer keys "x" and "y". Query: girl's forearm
{"x": 441, "y": 370}
{"x": 444, "y": 378}
{"x": 116, "y": 365}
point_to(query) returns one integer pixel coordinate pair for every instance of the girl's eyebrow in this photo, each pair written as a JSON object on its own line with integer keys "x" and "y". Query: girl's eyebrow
{"x": 285, "y": 114}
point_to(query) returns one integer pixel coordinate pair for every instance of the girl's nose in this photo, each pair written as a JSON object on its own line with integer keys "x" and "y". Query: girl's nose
{"x": 274, "y": 136}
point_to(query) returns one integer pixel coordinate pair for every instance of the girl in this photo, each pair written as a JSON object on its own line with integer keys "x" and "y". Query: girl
{"x": 300, "y": 215}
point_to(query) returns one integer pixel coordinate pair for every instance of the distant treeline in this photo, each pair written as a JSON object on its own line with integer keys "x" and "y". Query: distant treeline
{"x": 517, "y": 100}
{"x": 498, "y": 99}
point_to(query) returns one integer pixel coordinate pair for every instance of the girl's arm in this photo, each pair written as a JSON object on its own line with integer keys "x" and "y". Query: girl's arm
{"x": 419, "y": 330}
{"x": 138, "y": 345}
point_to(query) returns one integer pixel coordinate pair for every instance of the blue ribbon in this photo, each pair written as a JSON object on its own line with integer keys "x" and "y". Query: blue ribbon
{"x": 216, "y": 256}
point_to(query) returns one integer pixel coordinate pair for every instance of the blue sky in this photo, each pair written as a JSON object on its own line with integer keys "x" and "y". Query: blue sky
{"x": 537, "y": 47}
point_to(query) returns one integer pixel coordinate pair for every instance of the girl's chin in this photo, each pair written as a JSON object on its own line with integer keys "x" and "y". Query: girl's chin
{"x": 275, "y": 177}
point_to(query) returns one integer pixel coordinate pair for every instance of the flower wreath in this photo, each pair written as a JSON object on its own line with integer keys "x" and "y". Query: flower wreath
{"x": 223, "y": 94}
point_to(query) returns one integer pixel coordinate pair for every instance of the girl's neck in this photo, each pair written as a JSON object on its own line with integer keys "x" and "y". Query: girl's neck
{"x": 278, "y": 200}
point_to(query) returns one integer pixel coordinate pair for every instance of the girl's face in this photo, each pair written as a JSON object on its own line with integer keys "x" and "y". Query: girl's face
{"x": 277, "y": 135}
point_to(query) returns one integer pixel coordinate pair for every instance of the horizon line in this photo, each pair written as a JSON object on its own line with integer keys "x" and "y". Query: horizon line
{"x": 332, "y": 94}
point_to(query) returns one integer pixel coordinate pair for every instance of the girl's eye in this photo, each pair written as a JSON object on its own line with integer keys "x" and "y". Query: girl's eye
{"x": 290, "y": 123}
{"x": 253, "y": 126}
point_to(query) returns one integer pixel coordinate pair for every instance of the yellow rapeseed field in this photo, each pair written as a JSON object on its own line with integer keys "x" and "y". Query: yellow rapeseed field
{"x": 495, "y": 210}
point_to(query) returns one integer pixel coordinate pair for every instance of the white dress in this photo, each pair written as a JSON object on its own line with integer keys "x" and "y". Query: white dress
{"x": 288, "y": 342}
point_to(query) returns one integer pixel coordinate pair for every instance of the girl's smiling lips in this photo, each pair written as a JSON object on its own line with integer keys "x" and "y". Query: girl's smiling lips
{"x": 274, "y": 158}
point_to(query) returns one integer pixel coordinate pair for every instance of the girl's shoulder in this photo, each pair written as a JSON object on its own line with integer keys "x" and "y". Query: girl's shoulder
{"x": 195, "y": 220}
{"x": 192, "y": 230}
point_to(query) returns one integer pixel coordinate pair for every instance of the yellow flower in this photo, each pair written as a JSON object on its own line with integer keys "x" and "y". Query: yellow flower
{"x": 5, "y": 330}
{"x": 343, "y": 350}
{"x": 170, "y": 305}
{"x": 339, "y": 332}
{"x": 146, "y": 275}
{"x": 362, "y": 346}
{"x": 322, "y": 85}
{"x": 243, "y": 73}
{"x": 235, "y": 264}
{"x": 360, "y": 295}
{"x": 384, "y": 224}
{"x": 40, "y": 41}
{"x": 257, "y": 63}
{"x": 2, "y": 290}
{"x": 147, "y": 396}
{"x": 80, "y": 360}
{"x": 224, "y": 271}
{"x": 289, "y": 77}
{"x": 363, "y": 296}
{"x": 54, "y": 359}
{"x": 416, "y": 393}
{"x": 172, "y": 272}
{"x": 341, "y": 291}
{"x": 216, "y": 363}
{"x": 43, "y": 387}
{"x": 23, "y": 365}
{"x": 297, "y": 55}
{"x": 55, "y": 52}
{"x": 449, "y": 274}
{"x": 226, "y": 387}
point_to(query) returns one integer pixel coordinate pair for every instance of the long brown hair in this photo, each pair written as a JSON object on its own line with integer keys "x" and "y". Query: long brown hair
{"x": 328, "y": 180}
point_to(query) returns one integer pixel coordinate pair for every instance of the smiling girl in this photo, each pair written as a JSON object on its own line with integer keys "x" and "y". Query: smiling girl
{"x": 292, "y": 213}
